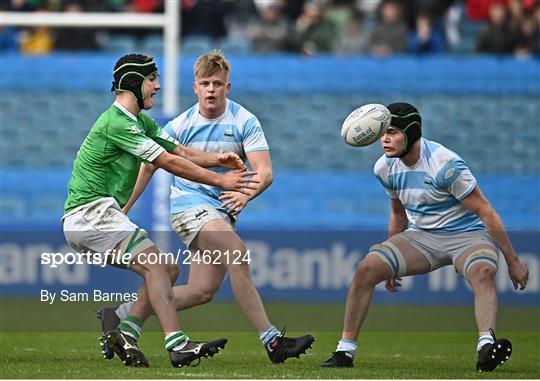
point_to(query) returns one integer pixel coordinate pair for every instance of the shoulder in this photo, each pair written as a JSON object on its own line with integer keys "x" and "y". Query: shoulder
{"x": 238, "y": 112}
{"x": 184, "y": 119}
{"x": 382, "y": 166}
{"x": 447, "y": 165}
{"x": 438, "y": 155}
{"x": 242, "y": 116}
{"x": 147, "y": 120}
{"x": 115, "y": 121}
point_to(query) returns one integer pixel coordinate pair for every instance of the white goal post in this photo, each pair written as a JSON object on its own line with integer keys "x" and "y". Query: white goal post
{"x": 168, "y": 21}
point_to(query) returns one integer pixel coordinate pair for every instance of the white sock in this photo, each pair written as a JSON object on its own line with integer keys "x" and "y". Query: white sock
{"x": 123, "y": 310}
{"x": 180, "y": 346}
{"x": 347, "y": 346}
{"x": 268, "y": 335}
{"x": 484, "y": 339}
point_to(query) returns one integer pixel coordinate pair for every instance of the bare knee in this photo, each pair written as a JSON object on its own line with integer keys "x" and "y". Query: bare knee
{"x": 204, "y": 296}
{"x": 368, "y": 273}
{"x": 481, "y": 274}
{"x": 156, "y": 271}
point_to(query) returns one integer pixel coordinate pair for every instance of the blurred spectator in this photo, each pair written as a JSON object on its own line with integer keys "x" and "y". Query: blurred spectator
{"x": 313, "y": 32}
{"x": 498, "y": 37}
{"x": 451, "y": 22}
{"x": 292, "y": 9}
{"x": 108, "y": 6}
{"x": 37, "y": 41}
{"x": 268, "y": 33}
{"x": 24, "y": 5}
{"x": 75, "y": 38}
{"x": 536, "y": 18}
{"x": 479, "y": 10}
{"x": 424, "y": 39}
{"x": 436, "y": 10}
{"x": 354, "y": 38}
{"x": 338, "y": 12}
{"x": 527, "y": 39}
{"x": 390, "y": 32}
{"x": 516, "y": 14}
{"x": 148, "y": 6}
{"x": 368, "y": 8}
{"x": 205, "y": 18}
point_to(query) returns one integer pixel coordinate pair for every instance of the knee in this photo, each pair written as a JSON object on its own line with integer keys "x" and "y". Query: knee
{"x": 367, "y": 274}
{"x": 481, "y": 274}
{"x": 158, "y": 270}
{"x": 204, "y": 296}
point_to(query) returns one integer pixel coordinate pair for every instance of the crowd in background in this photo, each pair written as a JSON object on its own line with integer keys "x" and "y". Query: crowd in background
{"x": 378, "y": 27}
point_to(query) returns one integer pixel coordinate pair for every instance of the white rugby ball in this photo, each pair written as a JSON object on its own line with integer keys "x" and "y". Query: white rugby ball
{"x": 365, "y": 125}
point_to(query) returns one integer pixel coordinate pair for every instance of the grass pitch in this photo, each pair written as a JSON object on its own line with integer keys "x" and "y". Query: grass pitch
{"x": 398, "y": 342}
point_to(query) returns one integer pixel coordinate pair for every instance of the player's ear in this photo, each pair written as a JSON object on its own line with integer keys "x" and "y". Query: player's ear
{"x": 195, "y": 87}
{"x": 228, "y": 87}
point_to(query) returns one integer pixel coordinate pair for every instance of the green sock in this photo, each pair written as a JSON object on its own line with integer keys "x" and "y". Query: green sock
{"x": 131, "y": 326}
{"x": 175, "y": 339}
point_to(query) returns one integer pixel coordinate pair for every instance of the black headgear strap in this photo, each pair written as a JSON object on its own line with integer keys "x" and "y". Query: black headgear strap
{"x": 407, "y": 120}
{"x": 130, "y": 73}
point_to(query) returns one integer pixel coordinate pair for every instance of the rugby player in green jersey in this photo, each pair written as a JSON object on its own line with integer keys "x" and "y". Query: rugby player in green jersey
{"x": 104, "y": 174}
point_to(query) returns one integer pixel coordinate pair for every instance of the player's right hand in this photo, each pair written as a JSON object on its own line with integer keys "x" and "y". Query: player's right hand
{"x": 392, "y": 284}
{"x": 519, "y": 274}
{"x": 239, "y": 180}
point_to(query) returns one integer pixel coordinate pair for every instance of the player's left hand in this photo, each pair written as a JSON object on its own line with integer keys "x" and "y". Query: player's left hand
{"x": 234, "y": 201}
{"x": 392, "y": 284}
{"x": 519, "y": 274}
{"x": 231, "y": 160}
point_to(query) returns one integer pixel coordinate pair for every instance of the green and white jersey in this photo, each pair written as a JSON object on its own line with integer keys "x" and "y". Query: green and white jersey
{"x": 107, "y": 164}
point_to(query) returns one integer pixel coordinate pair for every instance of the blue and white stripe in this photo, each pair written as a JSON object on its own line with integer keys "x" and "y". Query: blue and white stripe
{"x": 237, "y": 130}
{"x": 432, "y": 189}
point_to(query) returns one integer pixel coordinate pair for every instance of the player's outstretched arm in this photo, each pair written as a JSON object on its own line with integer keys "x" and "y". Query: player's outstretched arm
{"x": 479, "y": 205}
{"x": 210, "y": 159}
{"x": 260, "y": 161}
{"x": 145, "y": 174}
{"x": 237, "y": 180}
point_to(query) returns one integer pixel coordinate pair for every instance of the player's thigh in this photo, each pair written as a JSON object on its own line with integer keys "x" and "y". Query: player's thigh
{"x": 477, "y": 255}
{"x": 218, "y": 236}
{"x": 401, "y": 256}
{"x": 188, "y": 224}
{"x": 206, "y": 277}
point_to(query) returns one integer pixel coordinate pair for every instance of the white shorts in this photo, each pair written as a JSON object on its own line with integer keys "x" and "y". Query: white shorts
{"x": 442, "y": 249}
{"x": 188, "y": 224}
{"x": 97, "y": 226}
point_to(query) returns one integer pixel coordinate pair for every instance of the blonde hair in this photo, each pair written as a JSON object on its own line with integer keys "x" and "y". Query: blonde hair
{"x": 211, "y": 63}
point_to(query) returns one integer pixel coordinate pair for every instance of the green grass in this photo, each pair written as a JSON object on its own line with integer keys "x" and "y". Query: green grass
{"x": 398, "y": 342}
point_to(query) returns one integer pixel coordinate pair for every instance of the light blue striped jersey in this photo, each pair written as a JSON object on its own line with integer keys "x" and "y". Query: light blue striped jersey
{"x": 432, "y": 189}
{"x": 237, "y": 130}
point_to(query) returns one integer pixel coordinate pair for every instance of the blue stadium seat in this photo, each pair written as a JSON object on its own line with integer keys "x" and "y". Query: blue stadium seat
{"x": 196, "y": 45}
{"x": 120, "y": 44}
{"x": 235, "y": 46}
{"x": 152, "y": 44}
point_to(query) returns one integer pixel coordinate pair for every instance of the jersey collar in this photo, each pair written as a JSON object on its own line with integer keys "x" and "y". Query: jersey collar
{"x": 124, "y": 110}
{"x": 217, "y": 118}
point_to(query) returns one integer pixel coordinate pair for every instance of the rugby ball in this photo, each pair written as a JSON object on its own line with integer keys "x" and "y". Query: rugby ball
{"x": 365, "y": 125}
